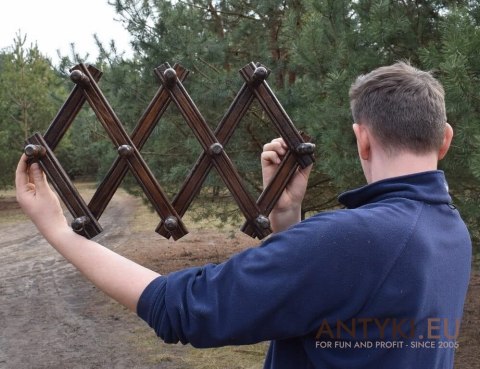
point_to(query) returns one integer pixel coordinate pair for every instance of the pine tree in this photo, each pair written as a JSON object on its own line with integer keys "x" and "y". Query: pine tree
{"x": 30, "y": 92}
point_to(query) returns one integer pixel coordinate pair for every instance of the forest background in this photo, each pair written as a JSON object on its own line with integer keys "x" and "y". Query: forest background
{"x": 315, "y": 50}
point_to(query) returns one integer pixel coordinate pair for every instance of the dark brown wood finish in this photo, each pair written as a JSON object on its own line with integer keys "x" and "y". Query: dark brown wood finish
{"x": 140, "y": 134}
{"x": 86, "y": 217}
{"x": 270, "y": 195}
{"x": 278, "y": 116}
{"x": 67, "y": 113}
{"x": 87, "y": 224}
{"x": 121, "y": 140}
{"x": 210, "y": 144}
{"x": 203, "y": 165}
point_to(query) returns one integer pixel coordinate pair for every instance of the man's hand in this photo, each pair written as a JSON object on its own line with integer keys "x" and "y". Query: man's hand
{"x": 37, "y": 199}
{"x": 118, "y": 277}
{"x": 287, "y": 210}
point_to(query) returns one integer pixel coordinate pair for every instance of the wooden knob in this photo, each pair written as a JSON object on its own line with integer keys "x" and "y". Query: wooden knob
{"x": 125, "y": 150}
{"x": 263, "y": 222}
{"x": 171, "y": 223}
{"x": 170, "y": 77}
{"x": 305, "y": 148}
{"x": 260, "y": 74}
{"x": 35, "y": 151}
{"x": 215, "y": 149}
{"x": 78, "y": 224}
{"x": 79, "y": 78}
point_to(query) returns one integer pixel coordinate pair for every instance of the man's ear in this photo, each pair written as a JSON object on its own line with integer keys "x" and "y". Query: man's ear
{"x": 447, "y": 140}
{"x": 363, "y": 140}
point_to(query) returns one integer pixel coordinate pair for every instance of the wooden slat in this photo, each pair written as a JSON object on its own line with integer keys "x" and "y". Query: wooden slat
{"x": 137, "y": 165}
{"x": 65, "y": 188}
{"x": 140, "y": 134}
{"x": 207, "y": 139}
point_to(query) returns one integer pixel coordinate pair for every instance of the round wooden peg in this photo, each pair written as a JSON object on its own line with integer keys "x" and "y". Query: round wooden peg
{"x": 125, "y": 150}
{"x": 79, "y": 78}
{"x": 78, "y": 224}
{"x": 215, "y": 149}
{"x": 35, "y": 151}
{"x": 170, "y": 77}
{"x": 305, "y": 148}
{"x": 171, "y": 223}
{"x": 263, "y": 222}
{"x": 260, "y": 74}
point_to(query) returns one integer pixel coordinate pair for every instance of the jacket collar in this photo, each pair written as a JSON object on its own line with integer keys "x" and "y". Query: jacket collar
{"x": 428, "y": 186}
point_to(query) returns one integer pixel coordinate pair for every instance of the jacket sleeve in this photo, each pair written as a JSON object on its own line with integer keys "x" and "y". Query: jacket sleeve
{"x": 281, "y": 289}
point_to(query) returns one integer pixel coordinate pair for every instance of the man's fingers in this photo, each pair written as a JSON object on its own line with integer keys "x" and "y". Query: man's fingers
{"x": 274, "y": 151}
{"x": 21, "y": 174}
{"x": 281, "y": 141}
{"x": 275, "y": 146}
{"x": 38, "y": 177}
{"x": 270, "y": 157}
{"x": 306, "y": 171}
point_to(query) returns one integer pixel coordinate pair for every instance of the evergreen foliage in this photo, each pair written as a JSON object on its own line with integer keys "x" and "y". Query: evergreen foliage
{"x": 315, "y": 50}
{"x": 30, "y": 92}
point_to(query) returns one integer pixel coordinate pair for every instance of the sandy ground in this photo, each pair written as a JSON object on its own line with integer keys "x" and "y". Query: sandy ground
{"x": 51, "y": 317}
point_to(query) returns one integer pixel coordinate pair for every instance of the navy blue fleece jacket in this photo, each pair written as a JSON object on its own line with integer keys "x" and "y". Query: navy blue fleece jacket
{"x": 393, "y": 267}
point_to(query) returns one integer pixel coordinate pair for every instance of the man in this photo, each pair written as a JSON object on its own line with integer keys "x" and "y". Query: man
{"x": 378, "y": 285}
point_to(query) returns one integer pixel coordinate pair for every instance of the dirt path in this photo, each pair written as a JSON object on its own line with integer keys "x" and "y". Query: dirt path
{"x": 51, "y": 317}
{"x": 48, "y": 311}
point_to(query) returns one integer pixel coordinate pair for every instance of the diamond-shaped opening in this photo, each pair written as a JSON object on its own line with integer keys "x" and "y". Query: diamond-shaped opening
{"x": 85, "y": 153}
{"x": 172, "y": 148}
{"x": 246, "y": 145}
{"x": 184, "y": 149}
{"x": 171, "y": 151}
{"x": 214, "y": 205}
{"x": 90, "y": 141}
{"x": 251, "y": 132}
{"x": 245, "y": 148}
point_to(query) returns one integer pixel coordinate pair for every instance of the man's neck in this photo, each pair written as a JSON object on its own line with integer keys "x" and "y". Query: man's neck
{"x": 401, "y": 164}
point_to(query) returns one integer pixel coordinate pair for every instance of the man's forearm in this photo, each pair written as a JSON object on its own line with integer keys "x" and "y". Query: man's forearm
{"x": 118, "y": 277}
{"x": 281, "y": 220}
{"x": 115, "y": 275}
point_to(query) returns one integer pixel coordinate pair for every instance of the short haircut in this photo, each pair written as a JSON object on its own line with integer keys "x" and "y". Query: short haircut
{"x": 404, "y": 106}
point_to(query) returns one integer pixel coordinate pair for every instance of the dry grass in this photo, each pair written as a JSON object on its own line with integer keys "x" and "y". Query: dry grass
{"x": 232, "y": 357}
{"x": 179, "y": 356}
{"x": 10, "y": 212}
{"x": 145, "y": 219}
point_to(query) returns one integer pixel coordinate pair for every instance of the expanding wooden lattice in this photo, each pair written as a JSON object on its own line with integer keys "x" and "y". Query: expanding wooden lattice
{"x": 86, "y": 217}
